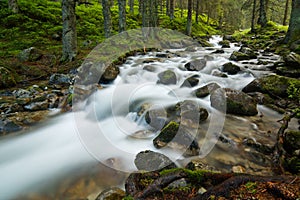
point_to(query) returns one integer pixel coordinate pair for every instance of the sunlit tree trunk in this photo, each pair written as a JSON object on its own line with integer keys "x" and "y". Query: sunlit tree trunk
{"x": 189, "y": 18}
{"x": 13, "y": 6}
{"x": 107, "y": 17}
{"x": 69, "y": 35}
{"x": 122, "y": 15}
{"x": 287, "y": 2}
{"x": 262, "y": 19}
{"x": 293, "y": 33}
{"x": 253, "y": 17}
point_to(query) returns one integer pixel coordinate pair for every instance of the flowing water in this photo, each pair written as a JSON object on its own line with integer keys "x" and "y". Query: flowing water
{"x": 109, "y": 131}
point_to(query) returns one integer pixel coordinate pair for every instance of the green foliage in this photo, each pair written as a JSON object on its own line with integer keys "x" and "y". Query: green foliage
{"x": 251, "y": 187}
{"x": 194, "y": 176}
{"x": 128, "y": 198}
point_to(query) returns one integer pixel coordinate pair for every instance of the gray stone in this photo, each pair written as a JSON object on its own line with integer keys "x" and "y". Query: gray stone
{"x": 167, "y": 77}
{"x": 195, "y": 65}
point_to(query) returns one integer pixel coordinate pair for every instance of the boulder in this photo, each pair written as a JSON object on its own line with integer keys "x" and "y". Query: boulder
{"x": 8, "y": 126}
{"x": 190, "y": 82}
{"x": 206, "y": 90}
{"x": 238, "y": 56}
{"x": 233, "y": 102}
{"x": 7, "y": 78}
{"x": 292, "y": 60}
{"x": 30, "y": 55}
{"x": 60, "y": 79}
{"x": 195, "y": 65}
{"x": 225, "y": 43}
{"x": 152, "y": 161}
{"x": 113, "y": 193}
{"x": 110, "y": 74}
{"x": 274, "y": 85}
{"x": 167, "y": 77}
{"x": 156, "y": 118}
{"x": 231, "y": 68}
{"x": 218, "y": 51}
{"x": 246, "y": 50}
{"x": 174, "y": 135}
{"x": 291, "y": 141}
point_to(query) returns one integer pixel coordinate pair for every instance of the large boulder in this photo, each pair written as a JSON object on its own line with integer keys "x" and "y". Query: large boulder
{"x": 152, "y": 161}
{"x": 244, "y": 53}
{"x": 274, "y": 85}
{"x": 196, "y": 65}
{"x": 233, "y": 102}
{"x": 231, "y": 68}
{"x": 167, "y": 77}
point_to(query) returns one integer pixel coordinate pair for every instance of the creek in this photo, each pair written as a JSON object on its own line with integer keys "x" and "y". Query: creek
{"x": 108, "y": 132}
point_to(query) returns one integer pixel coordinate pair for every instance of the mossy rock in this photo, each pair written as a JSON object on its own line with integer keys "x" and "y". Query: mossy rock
{"x": 274, "y": 85}
{"x": 231, "y": 68}
{"x": 7, "y": 78}
{"x": 225, "y": 43}
{"x": 206, "y": 90}
{"x": 167, "y": 77}
{"x": 233, "y": 102}
{"x": 238, "y": 56}
{"x": 166, "y": 135}
{"x": 292, "y": 165}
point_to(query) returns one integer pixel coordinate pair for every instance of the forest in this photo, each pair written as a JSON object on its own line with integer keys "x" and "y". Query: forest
{"x": 149, "y": 99}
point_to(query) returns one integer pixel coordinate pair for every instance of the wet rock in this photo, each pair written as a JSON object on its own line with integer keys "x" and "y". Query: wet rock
{"x": 190, "y": 82}
{"x": 198, "y": 164}
{"x": 8, "y": 126}
{"x": 113, "y": 193}
{"x": 233, "y": 102}
{"x": 110, "y": 74}
{"x": 153, "y": 161}
{"x": 191, "y": 49}
{"x": 162, "y": 55}
{"x": 238, "y": 56}
{"x": 219, "y": 74}
{"x": 156, "y": 118}
{"x": 229, "y": 38}
{"x": 218, "y": 51}
{"x": 31, "y": 54}
{"x": 60, "y": 79}
{"x": 231, "y": 68}
{"x": 195, "y": 65}
{"x": 238, "y": 169}
{"x": 167, "y": 77}
{"x": 149, "y": 68}
{"x": 35, "y": 106}
{"x": 178, "y": 137}
{"x": 7, "y": 108}
{"x": 21, "y": 93}
{"x": 273, "y": 85}
{"x": 288, "y": 71}
{"x": 206, "y": 90}
{"x": 7, "y": 78}
{"x": 203, "y": 42}
{"x": 249, "y": 52}
{"x": 225, "y": 43}
{"x": 292, "y": 60}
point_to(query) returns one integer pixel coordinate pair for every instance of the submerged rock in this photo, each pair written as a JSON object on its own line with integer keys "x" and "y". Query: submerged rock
{"x": 152, "y": 161}
{"x": 233, "y": 102}
{"x": 8, "y": 126}
{"x": 167, "y": 77}
{"x": 231, "y": 68}
{"x": 206, "y": 90}
{"x": 195, "y": 65}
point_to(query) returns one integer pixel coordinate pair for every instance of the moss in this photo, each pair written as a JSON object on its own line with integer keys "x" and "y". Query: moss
{"x": 194, "y": 176}
{"x": 128, "y": 198}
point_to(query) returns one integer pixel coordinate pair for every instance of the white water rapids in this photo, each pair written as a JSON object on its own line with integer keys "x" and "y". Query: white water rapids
{"x": 102, "y": 131}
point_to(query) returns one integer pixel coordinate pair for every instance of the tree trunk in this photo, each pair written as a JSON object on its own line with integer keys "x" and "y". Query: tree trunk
{"x": 181, "y": 8}
{"x": 168, "y": 7}
{"x": 197, "y": 10}
{"x": 287, "y": 2}
{"x": 149, "y": 13}
{"x": 172, "y": 9}
{"x": 69, "y": 36}
{"x": 262, "y": 19}
{"x": 13, "y": 6}
{"x": 293, "y": 33}
{"x": 107, "y": 17}
{"x": 131, "y": 6}
{"x": 189, "y": 18}
{"x": 253, "y": 17}
{"x": 122, "y": 15}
